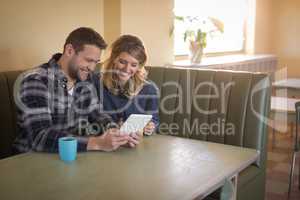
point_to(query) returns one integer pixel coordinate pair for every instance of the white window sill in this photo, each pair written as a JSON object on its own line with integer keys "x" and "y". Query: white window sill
{"x": 225, "y": 60}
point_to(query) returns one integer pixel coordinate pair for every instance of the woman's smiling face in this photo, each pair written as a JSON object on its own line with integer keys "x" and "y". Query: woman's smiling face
{"x": 126, "y": 66}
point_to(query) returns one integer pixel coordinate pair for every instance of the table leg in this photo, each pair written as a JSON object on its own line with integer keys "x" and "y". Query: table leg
{"x": 292, "y": 129}
{"x": 234, "y": 182}
{"x": 229, "y": 189}
{"x": 273, "y": 135}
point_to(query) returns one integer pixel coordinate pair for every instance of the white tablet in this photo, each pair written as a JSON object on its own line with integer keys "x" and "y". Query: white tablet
{"x": 135, "y": 123}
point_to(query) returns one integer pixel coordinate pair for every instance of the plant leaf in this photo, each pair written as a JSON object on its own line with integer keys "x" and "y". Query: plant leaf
{"x": 217, "y": 23}
{"x": 185, "y": 36}
{"x": 199, "y": 35}
{"x": 171, "y": 30}
{"x": 180, "y": 18}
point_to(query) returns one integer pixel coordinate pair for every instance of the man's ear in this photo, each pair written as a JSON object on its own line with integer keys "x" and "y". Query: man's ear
{"x": 69, "y": 50}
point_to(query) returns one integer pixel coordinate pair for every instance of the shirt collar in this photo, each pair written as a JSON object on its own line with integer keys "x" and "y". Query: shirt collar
{"x": 55, "y": 67}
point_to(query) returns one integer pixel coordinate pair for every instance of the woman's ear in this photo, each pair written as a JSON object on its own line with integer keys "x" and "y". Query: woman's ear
{"x": 116, "y": 60}
{"x": 115, "y": 63}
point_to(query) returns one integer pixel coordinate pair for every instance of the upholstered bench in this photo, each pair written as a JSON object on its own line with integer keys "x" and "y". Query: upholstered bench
{"x": 215, "y": 106}
{"x": 208, "y": 105}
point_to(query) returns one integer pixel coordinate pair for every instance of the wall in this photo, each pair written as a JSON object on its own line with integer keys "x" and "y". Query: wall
{"x": 151, "y": 20}
{"x": 287, "y": 35}
{"x": 264, "y": 25}
{"x": 112, "y": 20}
{"x": 277, "y": 31}
{"x": 33, "y": 30}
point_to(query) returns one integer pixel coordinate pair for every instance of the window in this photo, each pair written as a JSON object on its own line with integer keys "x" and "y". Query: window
{"x": 233, "y": 14}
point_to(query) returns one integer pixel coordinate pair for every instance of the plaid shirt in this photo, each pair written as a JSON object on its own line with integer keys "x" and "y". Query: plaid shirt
{"x": 47, "y": 111}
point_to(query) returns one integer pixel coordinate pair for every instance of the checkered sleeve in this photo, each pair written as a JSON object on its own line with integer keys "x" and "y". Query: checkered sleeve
{"x": 37, "y": 118}
{"x": 99, "y": 122}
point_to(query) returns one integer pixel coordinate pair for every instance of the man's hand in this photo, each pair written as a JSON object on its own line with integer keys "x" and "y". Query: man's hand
{"x": 109, "y": 141}
{"x": 149, "y": 128}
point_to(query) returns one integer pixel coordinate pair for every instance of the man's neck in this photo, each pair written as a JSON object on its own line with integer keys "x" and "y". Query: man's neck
{"x": 63, "y": 63}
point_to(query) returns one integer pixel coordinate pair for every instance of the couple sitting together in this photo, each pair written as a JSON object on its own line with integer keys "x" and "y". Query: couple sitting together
{"x": 67, "y": 97}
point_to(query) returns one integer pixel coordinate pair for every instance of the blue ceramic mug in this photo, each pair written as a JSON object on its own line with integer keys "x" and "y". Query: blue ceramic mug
{"x": 67, "y": 147}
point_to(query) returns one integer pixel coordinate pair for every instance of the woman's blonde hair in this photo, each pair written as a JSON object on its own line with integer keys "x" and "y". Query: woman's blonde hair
{"x": 134, "y": 47}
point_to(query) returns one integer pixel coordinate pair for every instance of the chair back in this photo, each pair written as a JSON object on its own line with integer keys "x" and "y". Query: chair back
{"x": 297, "y": 106}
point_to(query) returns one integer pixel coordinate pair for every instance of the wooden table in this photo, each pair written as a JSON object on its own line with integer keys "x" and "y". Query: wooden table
{"x": 283, "y": 104}
{"x": 161, "y": 167}
{"x": 290, "y": 85}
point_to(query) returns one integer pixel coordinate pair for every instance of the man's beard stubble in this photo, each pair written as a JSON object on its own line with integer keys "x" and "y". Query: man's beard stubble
{"x": 73, "y": 70}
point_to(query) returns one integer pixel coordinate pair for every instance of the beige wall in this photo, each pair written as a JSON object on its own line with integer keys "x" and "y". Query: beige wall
{"x": 278, "y": 32}
{"x": 32, "y": 30}
{"x": 151, "y": 20}
{"x": 263, "y": 29}
{"x": 112, "y": 20}
{"x": 287, "y": 35}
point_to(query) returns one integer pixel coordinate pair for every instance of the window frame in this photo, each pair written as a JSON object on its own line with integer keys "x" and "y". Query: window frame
{"x": 246, "y": 27}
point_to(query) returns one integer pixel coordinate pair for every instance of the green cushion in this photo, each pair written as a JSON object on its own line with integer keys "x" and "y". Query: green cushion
{"x": 11, "y": 77}
{"x": 248, "y": 175}
{"x": 6, "y": 119}
{"x": 242, "y": 100}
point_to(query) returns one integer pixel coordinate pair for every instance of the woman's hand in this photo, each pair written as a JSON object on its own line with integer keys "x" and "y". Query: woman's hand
{"x": 149, "y": 128}
{"x": 134, "y": 140}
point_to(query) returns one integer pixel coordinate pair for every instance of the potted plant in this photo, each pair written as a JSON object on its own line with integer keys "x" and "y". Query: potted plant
{"x": 196, "y": 32}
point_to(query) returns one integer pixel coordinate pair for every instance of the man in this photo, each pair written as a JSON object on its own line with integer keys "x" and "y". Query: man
{"x": 57, "y": 99}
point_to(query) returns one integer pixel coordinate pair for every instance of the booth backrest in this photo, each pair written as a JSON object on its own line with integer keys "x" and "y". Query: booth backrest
{"x": 216, "y": 106}
{"x": 8, "y": 125}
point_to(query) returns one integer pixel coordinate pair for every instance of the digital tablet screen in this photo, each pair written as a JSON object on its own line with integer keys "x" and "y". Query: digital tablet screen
{"x": 135, "y": 123}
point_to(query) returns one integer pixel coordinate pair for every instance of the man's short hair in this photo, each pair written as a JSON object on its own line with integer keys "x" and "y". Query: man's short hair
{"x": 85, "y": 36}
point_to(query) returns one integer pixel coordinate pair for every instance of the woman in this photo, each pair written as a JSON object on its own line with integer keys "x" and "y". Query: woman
{"x": 125, "y": 88}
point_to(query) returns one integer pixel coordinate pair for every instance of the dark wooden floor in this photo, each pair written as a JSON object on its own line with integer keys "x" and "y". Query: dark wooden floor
{"x": 278, "y": 168}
